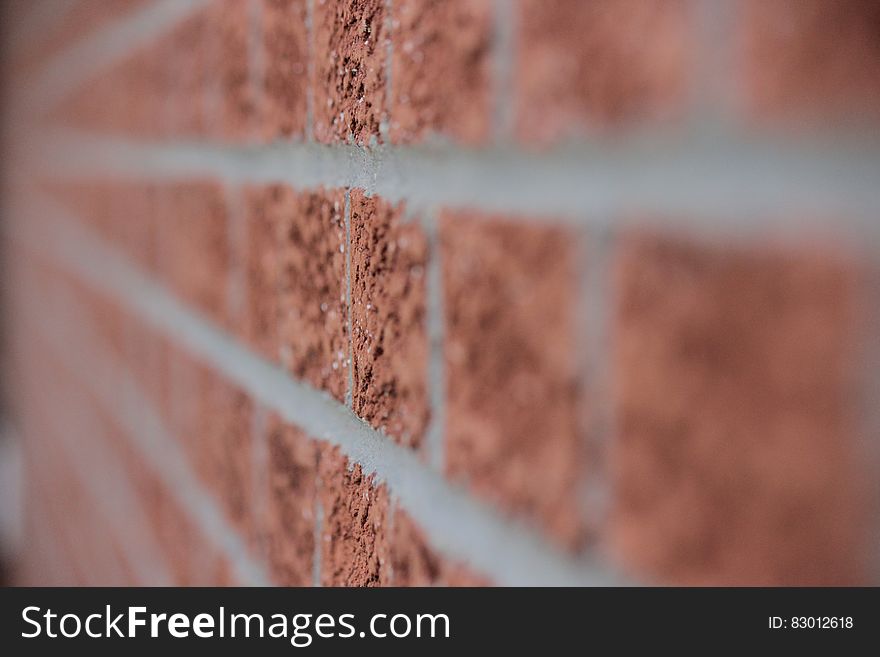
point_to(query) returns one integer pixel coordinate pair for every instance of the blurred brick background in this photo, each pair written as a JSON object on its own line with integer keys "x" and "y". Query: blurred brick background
{"x": 411, "y": 292}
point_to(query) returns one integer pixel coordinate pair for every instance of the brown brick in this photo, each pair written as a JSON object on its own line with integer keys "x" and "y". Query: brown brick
{"x": 122, "y": 213}
{"x": 349, "y": 83}
{"x": 416, "y": 563}
{"x": 296, "y": 282}
{"x": 354, "y": 543}
{"x": 285, "y": 58}
{"x": 193, "y": 244}
{"x": 512, "y": 384}
{"x": 389, "y": 335}
{"x": 224, "y": 457}
{"x": 734, "y": 460}
{"x": 232, "y": 88}
{"x": 313, "y": 324}
{"x": 441, "y": 70}
{"x": 811, "y": 59}
{"x": 290, "y": 517}
{"x": 184, "y": 54}
{"x": 193, "y": 558}
{"x": 583, "y": 67}
{"x": 265, "y": 207}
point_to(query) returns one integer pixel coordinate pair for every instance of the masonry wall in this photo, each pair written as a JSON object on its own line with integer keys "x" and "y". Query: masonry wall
{"x": 400, "y": 292}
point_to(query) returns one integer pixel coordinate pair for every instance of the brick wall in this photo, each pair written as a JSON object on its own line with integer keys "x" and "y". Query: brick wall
{"x": 400, "y": 292}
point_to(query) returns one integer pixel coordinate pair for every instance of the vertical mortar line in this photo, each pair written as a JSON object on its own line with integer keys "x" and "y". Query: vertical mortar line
{"x": 256, "y": 66}
{"x": 389, "y": 24}
{"x": 435, "y": 436}
{"x": 319, "y": 522}
{"x": 349, "y": 386}
{"x": 712, "y": 96}
{"x": 310, "y": 72}
{"x": 259, "y": 475}
{"x": 596, "y": 314}
{"x": 503, "y": 68}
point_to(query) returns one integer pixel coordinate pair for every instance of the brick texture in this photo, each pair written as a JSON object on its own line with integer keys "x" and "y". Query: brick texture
{"x": 512, "y": 385}
{"x": 441, "y": 70}
{"x": 309, "y": 295}
{"x": 349, "y": 70}
{"x": 584, "y": 67}
{"x": 290, "y": 516}
{"x": 283, "y": 108}
{"x": 443, "y": 293}
{"x": 389, "y": 336}
{"x": 354, "y": 548}
{"x": 734, "y": 459}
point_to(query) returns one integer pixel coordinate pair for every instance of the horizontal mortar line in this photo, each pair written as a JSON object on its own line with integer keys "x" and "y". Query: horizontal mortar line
{"x": 457, "y": 525}
{"x": 722, "y": 183}
{"x": 115, "y": 500}
{"x": 99, "y": 51}
{"x": 120, "y": 396}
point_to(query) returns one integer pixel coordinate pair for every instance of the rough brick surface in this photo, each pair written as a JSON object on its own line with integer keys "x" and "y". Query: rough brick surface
{"x": 512, "y": 385}
{"x": 290, "y": 515}
{"x": 582, "y": 67}
{"x": 354, "y": 547}
{"x": 349, "y": 82}
{"x": 811, "y": 59}
{"x": 415, "y": 563}
{"x": 389, "y": 335}
{"x": 735, "y": 458}
{"x": 441, "y": 70}
{"x": 309, "y": 229}
{"x": 194, "y": 244}
{"x": 285, "y": 61}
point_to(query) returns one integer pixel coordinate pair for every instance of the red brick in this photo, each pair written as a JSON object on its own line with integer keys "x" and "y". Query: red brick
{"x": 441, "y": 70}
{"x": 224, "y": 457}
{"x": 194, "y": 252}
{"x": 285, "y": 58}
{"x": 512, "y": 383}
{"x": 313, "y": 328}
{"x": 229, "y": 69}
{"x": 416, "y": 563}
{"x": 120, "y": 212}
{"x": 193, "y": 558}
{"x": 354, "y": 543}
{"x": 734, "y": 460}
{"x": 810, "y": 59}
{"x": 184, "y": 55}
{"x": 584, "y": 67}
{"x": 296, "y": 282}
{"x": 349, "y": 76}
{"x": 265, "y": 209}
{"x": 211, "y": 419}
{"x": 290, "y": 516}
{"x": 389, "y": 335}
